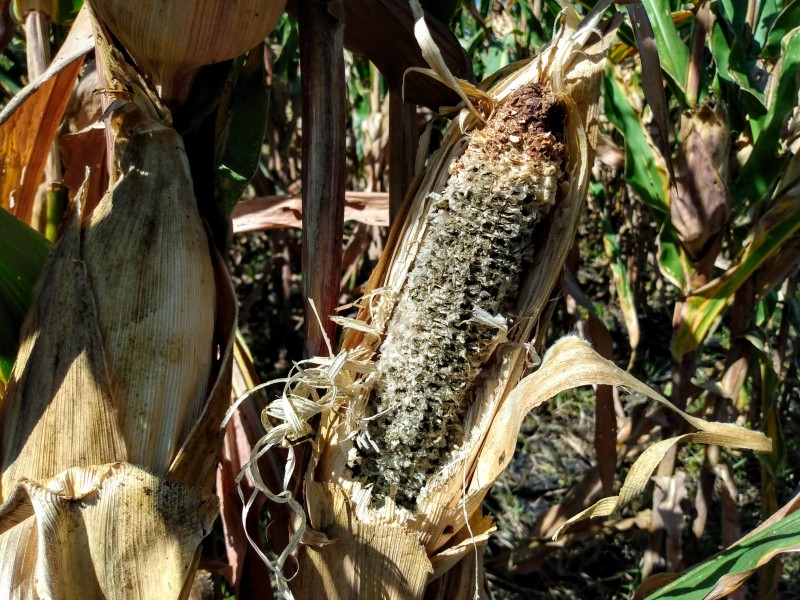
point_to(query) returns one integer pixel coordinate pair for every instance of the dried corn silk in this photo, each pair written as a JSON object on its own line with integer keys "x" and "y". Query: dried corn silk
{"x": 448, "y": 317}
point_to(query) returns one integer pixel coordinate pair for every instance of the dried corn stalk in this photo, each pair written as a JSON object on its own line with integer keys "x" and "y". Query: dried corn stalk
{"x": 421, "y": 407}
{"x": 110, "y": 422}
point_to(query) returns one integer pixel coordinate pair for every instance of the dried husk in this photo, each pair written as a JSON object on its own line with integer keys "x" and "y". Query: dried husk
{"x": 83, "y": 540}
{"x": 110, "y": 421}
{"x": 147, "y": 256}
{"x": 171, "y": 39}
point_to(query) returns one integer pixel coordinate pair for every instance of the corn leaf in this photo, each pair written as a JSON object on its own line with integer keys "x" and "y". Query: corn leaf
{"x": 672, "y": 51}
{"x": 652, "y": 84}
{"x": 737, "y": 63}
{"x": 28, "y": 124}
{"x": 705, "y": 305}
{"x": 643, "y": 169}
{"x": 23, "y": 252}
{"x": 764, "y": 166}
{"x": 646, "y": 173}
{"x": 243, "y": 121}
{"x": 783, "y": 24}
{"x": 622, "y": 283}
{"x": 65, "y": 11}
{"x": 723, "y": 574}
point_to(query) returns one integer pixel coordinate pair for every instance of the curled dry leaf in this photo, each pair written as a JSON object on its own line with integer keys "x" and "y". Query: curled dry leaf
{"x": 29, "y": 122}
{"x": 273, "y": 212}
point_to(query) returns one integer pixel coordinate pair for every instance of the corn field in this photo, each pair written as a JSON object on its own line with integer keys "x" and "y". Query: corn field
{"x": 403, "y": 299}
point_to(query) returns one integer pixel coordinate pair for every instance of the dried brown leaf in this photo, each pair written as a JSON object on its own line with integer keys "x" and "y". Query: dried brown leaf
{"x": 29, "y": 122}
{"x": 275, "y": 212}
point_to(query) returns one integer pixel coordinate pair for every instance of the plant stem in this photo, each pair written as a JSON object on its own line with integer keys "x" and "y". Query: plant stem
{"x": 321, "y": 29}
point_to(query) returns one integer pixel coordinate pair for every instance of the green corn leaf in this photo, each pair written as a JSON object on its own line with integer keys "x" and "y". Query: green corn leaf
{"x": 768, "y": 11}
{"x": 622, "y": 283}
{"x": 672, "y": 51}
{"x": 644, "y": 171}
{"x": 787, "y": 20}
{"x": 672, "y": 260}
{"x": 764, "y": 165}
{"x": 65, "y": 11}
{"x": 724, "y": 573}
{"x": 735, "y": 68}
{"x": 242, "y": 123}
{"x": 23, "y": 252}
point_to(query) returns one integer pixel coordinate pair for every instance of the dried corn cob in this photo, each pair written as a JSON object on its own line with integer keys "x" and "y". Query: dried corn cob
{"x": 469, "y": 265}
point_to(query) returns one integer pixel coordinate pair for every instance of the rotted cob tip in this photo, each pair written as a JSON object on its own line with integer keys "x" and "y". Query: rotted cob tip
{"x": 451, "y": 312}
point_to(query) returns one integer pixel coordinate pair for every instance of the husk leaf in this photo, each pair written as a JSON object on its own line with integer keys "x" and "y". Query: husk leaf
{"x": 170, "y": 41}
{"x": 90, "y": 532}
{"x": 147, "y": 255}
{"x": 125, "y": 358}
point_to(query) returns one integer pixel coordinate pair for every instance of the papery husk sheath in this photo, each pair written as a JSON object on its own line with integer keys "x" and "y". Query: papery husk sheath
{"x": 125, "y": 358}
{"x": 147, "y": 255}
{"x": 58, "y": 410}
{"x": 171, "y": 39}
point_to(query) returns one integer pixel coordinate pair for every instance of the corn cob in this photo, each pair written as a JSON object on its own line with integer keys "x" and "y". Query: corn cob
{"x": 447, "y": 319}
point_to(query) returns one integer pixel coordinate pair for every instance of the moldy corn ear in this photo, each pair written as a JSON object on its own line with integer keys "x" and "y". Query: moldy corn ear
{"x": 147, "y": 257}
{"x": 447, "y": 320}
{"x": 171, "y": 39}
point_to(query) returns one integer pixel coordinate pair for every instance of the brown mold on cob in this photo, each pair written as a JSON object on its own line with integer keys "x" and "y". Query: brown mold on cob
{"x": 447, "y": 320}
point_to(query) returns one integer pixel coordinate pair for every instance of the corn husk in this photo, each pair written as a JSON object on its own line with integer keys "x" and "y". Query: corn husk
{"x": 110, "y": 421}
{"x": 367, "y": 539}
{"x": 170, "y": 40}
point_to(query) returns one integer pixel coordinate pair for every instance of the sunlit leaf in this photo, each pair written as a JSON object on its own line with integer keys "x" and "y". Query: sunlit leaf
{"x": 783, "y": 24}
{"x": 724, "y": 573}
{"x": 622, "y": 283}
{"x": 652, "y": 84}
{"x": 705, "y": 305}
{"x": 672, "y": 51}
{"x": 28, "y": 124}
{"x": 644, "y": 171}
{"x": 763, "y": 166}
